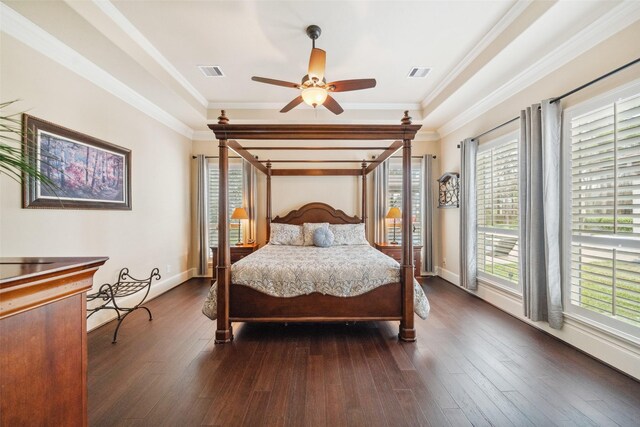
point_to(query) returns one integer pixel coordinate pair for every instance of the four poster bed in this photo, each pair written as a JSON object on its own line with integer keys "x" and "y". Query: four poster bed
{"x": 308, "y": 283}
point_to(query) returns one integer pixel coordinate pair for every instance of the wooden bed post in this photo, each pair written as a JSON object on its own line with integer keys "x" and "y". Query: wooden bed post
{"x": 224, "y": 332}
{"x": 407, "y": 329}
{"x": 364, "y": 195}
{"x": 268, "y": 200}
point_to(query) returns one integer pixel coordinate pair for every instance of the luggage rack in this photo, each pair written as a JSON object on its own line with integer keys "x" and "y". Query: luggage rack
{"x": 124, "y": 287}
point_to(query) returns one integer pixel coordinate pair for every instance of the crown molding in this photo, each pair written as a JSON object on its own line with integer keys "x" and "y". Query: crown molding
{"x": 203, "y": 135}
{"x": 113, "y": 13}
{"x": 612, "y": 22}
{"x": 25, "y": 31}
{"x": 347, "y": 106}
{"x": 427, "y": 136}
{"x": 507, "y": 19}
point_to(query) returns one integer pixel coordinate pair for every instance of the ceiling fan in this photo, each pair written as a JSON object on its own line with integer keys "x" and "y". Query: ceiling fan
{"x": 314, "y": 87}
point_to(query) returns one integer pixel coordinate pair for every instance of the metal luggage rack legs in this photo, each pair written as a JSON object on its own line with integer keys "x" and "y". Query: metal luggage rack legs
{"x": 125, "y": 286}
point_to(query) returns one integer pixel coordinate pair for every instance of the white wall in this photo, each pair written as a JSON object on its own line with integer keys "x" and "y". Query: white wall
{"x": 617, "y": 50}
{"x": 155, "y": 233}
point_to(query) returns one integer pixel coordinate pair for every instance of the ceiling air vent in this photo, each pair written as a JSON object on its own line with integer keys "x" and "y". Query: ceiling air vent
{"x": 211, "y": 70}
{"x": 419, "y": 72}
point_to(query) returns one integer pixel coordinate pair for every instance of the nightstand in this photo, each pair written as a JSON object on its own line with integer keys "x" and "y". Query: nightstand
{"x": 237, "y": 253}
{"x": 395, "y": 252}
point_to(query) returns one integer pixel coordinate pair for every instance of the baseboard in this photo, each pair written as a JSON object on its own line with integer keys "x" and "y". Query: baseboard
{"x": 620, "y": 353}
{"x": 105, "y": 316}
{"x": 448, "y": 275}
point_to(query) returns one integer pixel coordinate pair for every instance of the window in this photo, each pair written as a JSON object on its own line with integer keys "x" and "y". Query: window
{"x": 497, "y": 203}
{"x": 235, "y": 199}
{"x": 394, "y": 194}
{"x": 602, "y": 269}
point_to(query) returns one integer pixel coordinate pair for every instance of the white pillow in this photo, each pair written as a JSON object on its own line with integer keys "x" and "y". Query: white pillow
{"x": 286, "y": 234}
{"x": 348, "y": 234}
{"x": 309, "y": 228}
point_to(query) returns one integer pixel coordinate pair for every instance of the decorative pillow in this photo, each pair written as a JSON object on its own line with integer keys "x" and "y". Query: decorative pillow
{"x": 322, "y": 237}
{"x": 309, "y": 228}
{"x": 286, "y": 234}
{"x": 348, "y": 234}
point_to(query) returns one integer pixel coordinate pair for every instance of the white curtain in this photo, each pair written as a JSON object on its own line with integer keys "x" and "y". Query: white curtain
{"x": 380, "y": 179}
{"x": 428, "y": 211}
{"x": 540, "y": 144}
{"x": 248, "y": 198}
{"x": 202, "y": 217}
{"x": 468, "y": 214}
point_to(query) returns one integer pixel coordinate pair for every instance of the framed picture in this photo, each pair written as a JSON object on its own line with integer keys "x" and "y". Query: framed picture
{"x": 86, "y": 173}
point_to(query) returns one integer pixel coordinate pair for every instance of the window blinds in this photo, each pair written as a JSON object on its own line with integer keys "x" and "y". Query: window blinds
{"x": 394, "y": 192}
{"x": 235, "y": 200}
{"x": 497, "y": 202}
{"x": 605, "y": 210}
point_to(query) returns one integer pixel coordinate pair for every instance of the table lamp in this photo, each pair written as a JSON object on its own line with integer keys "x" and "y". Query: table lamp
{"x": 239, "y": 214}
{"x": 394, "y": 213}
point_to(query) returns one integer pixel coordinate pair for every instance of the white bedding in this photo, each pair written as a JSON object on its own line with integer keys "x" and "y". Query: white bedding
{"x": 342, "y": 271}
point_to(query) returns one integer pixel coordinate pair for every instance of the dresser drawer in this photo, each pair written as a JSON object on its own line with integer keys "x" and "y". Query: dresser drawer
{"x": 237, "y": 256}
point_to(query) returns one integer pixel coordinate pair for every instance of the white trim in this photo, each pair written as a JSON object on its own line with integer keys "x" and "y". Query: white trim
{"x": 203, "y": 135}
{"x": 426, "y": 135}
{"x": 514, "y": 12}
{"x": 347, "y": 106}
{"x": 612, "y": 22}
{"x": 621, "y": 92}
{"x": 505, "y": 139}
{"x": 449, "y": 276}
{"x": 611, "y": 323}
{"x": 134, "y": 34}
{"x": 22, "y": 29}
{"x": 105, "y": 316}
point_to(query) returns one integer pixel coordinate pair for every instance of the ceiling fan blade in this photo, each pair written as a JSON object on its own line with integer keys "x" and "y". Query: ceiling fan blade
{"x": 332, "y": 105}
{"x": 275, "y": 82}
{"x": 317, "y": 63}
{"x": 290, "y": 106}
{"x": 347, "y": 85}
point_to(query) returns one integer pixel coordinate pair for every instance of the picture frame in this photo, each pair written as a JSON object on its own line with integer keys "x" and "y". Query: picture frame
{"x": 86, "y": 172}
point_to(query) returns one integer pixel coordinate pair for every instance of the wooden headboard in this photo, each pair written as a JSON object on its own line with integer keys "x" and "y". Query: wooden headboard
{"x": 317, "y": 212}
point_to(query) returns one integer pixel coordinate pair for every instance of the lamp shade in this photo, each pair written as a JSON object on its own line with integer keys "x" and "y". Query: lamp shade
{"x": 314, "y": 95}
{"x": 394, "y": 213}
{"x": 239, "y": 213}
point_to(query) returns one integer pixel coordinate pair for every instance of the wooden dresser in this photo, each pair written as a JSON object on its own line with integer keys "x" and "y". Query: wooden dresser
{"x": 395, "y": 252}
{"x": 237, "y": 253}
{"x": 43, "y": 340}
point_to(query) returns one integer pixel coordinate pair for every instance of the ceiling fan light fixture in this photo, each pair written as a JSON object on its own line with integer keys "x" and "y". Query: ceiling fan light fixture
{"x": 314, "y": 95}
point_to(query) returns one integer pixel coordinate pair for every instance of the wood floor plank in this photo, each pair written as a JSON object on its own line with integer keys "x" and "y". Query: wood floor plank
{"x": 297, "y": 399}
{"x": 256, "y": 412}
{"x": 391, "y": 407}
{"x": 335, "y": 403}
{"x": 410, "y": 408}
{"x": 315, "y": 404}
{"x": 472, "y": 365}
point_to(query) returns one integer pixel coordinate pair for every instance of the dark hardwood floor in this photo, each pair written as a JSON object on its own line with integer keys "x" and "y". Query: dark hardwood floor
{"x": 472, "y": 365}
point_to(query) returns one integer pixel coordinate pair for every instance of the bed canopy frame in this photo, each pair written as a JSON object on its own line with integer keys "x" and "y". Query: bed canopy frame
{"x": 248, "y": 304}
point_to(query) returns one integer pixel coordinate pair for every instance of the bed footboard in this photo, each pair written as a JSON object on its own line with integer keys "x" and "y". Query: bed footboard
{"x": 250, "y": 305}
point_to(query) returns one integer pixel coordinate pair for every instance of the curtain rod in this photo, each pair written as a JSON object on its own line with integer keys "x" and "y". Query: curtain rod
{"x": 316, "y": 161}
{"x": 216, "y": 157}
{"x": 604, "y": 76}
{"x": 292, "y": 161}
{"x": 564, "y": 95}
